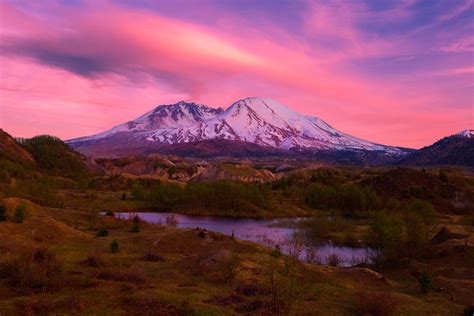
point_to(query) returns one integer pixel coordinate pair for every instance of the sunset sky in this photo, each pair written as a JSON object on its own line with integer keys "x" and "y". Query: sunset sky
{"x": 394, "y": 72}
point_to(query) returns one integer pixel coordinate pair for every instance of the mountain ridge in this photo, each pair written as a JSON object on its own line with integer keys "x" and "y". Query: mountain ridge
{"x": 261, "y": 121}
{"x": 457, "y": 149}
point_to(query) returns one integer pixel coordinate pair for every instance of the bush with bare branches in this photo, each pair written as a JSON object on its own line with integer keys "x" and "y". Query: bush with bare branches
{"x": 37, "y": 270}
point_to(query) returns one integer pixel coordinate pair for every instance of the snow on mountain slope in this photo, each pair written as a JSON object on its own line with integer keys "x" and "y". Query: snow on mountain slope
{"x": 466, "y": 133}
{"x": 261, "y": 121}
{"x": 169, "y": 116}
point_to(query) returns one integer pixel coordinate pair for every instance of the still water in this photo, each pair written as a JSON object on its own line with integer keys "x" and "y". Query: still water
{"x": 267, "y": 232}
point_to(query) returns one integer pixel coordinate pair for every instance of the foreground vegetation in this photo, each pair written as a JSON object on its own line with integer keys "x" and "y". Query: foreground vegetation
{"x": 64, "y": 266}
{"x": 58, "y": 254}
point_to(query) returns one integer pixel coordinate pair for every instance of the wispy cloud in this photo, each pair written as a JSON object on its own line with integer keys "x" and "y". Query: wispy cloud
{"x": 465, "y": 44}
{"x": 362, "y": 65}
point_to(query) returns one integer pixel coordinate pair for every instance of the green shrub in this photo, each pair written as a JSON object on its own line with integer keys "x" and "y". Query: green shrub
{"x": 202, "y": 234}
{"x": 276, "y": 252}
{"x": 94, "y": 261}
{"x": 3, "y": 213}
{"x": 425, "y": 281}
{"x": 418, "y": 221}
{"x": 20, "y": 214}
{"x": 40, "y": 189}
{"x": 135, "y": 224}
{"x": 385, "y": 236}
{"x": 220, "y": 197}
{"x": 114, "y": 246}
{"x": 321, "y": 229}
{"x": 353, "y": 200}
{"x": 103, "y": 233}
{"x": 13, "y": 169}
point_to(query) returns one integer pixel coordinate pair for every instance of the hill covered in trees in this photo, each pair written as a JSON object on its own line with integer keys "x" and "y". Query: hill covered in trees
{"x": 457, "y": 150}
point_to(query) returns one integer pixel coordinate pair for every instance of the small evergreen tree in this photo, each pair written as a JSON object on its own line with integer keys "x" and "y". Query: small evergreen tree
{"x": 103, "y": 233}
{"x": 114, "y": 246}
{"x": 20, "y": 213}
{"x": 3, "y": 213}
{"x": 276, "y": 252}
{"x": 135, "y": 224}
{"x": 425, "y": 281}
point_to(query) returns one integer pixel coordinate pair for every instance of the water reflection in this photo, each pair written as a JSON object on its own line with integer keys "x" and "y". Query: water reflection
{"x": 267, "y": 232}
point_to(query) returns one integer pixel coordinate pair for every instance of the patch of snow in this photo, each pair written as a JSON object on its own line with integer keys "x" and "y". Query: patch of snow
{"x": 466, "y": 133}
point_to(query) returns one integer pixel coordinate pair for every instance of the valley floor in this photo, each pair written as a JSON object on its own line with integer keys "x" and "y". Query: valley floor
{"x": 53, "y": 263}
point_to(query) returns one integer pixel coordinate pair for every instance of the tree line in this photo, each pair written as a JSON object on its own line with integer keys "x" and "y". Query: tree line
{"x": 223, "y": 197}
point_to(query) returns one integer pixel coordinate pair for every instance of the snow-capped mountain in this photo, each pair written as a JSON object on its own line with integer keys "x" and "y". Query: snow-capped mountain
{"x": 264, "y": 122}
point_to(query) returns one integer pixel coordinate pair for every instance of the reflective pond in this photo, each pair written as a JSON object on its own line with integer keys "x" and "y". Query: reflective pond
{"x": 271, "y": 233}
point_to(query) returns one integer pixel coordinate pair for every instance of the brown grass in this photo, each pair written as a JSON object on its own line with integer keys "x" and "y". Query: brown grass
{"x": 37, "y": 270}
{"x": 251, "y": 289}
{"x": 226, "y": 300}
{"x": 284, "y": 287}
{"x": 376, "y": 304}
{"x": 94, "y": 260}
{"x": 133, "y": 274}
{"x": 152, "y": 257}
{"x": 87, "y": 287}
{"x": 36, "y": 306}
{"x": 150, "y": 304}
{"x": 46, "y": 306}
{"x": 253, "y": 306}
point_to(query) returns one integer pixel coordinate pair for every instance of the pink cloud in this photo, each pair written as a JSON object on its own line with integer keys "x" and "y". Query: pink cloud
{"x": 37, "y": 99}
{"x": 338, "y": 22}
{"x": 83, "y": 71}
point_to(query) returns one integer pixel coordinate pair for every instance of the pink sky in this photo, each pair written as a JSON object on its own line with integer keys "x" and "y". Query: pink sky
{"x": 401, "y": 73}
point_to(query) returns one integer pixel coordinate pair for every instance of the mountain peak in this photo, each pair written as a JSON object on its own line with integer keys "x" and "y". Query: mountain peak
{"x": 466, "y": 133}
{"x": 258, "y": 100}
{"x": 262, "y": 121}
{"x": 182, "y": 113}
{"x": 180, "y": 104}
{"x": 263, "y": 102}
